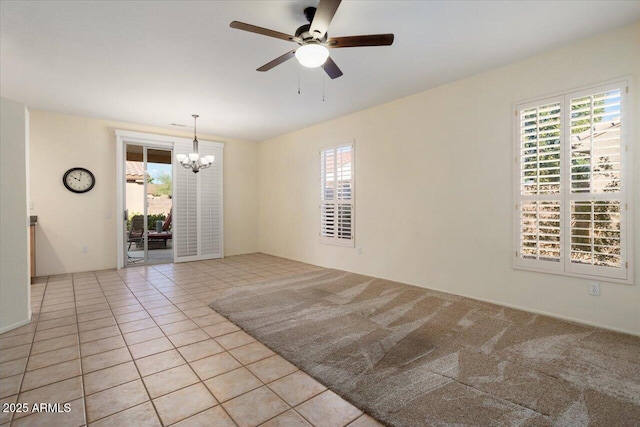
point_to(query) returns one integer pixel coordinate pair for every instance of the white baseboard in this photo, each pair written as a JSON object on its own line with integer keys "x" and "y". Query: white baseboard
{"x": 16, "y": 325}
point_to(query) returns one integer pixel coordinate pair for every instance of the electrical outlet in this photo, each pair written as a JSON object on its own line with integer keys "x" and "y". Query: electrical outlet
{"x": 359, "y": 251}
{"x": 85, "y": 249}
{"x": 594, "y": 289}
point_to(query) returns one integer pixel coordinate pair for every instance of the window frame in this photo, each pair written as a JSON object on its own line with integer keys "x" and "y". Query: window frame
{"x": 337, "y": 240}
{"x": 624, "y": 274}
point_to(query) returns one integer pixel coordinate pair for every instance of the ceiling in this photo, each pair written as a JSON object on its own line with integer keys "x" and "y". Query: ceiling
{"x": 156, "y": 63}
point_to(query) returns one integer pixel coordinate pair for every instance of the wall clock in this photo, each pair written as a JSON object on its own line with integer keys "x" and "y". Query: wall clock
{"x": 79, "y": 180}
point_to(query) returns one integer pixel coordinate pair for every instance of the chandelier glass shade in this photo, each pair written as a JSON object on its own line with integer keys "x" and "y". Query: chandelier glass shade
{"x": 193, "y": 160}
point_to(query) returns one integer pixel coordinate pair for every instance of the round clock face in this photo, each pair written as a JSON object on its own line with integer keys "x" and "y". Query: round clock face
{"x": 78, "y": 180}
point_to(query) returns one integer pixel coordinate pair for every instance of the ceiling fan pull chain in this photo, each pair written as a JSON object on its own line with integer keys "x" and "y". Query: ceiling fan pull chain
{"x": 298, "y": 79}
{"x": 323, "y": 79}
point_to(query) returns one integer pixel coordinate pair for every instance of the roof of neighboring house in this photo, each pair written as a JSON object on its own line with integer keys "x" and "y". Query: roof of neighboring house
{"x": 135, "y": 171}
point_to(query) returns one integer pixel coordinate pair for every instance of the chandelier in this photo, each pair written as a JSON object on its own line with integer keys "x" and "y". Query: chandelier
{"x": 193, "y": 160}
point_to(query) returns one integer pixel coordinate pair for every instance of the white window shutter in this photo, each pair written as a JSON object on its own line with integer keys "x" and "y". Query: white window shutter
{"x": 571, "y": 185}
{"x": 198, "y": 227}
{"x": 337, "y": 195}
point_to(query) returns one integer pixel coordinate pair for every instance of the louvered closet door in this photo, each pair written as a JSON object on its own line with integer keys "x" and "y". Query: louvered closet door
{"x": 198, "y": 206}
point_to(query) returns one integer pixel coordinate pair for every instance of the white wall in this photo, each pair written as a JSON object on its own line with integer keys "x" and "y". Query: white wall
{"x": 15, "y": 308}
{"x": 69, "y": 221}
{"x": 434, "y": 186}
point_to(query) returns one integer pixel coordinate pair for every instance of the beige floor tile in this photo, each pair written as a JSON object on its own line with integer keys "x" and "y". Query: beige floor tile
{"x": 53, "y": 357}
{"x": 10, "y": 385}
{"x": 221, "y": 328}
{"x": 60, "y": 392}
{"x": 148, "y": 348}
{"x": 197, "y": 312}
{"x": 271, "y": 368}
{"x": 109, "y": 377}
{"x": 100, "y": 314}
{"x": 215, "y": 416}
{"x": 214, "y": 365}
{"x": 165, "y": 319}
{"x": 170, "y": 380}
{"x": 16, "y": 340}
{"x": 156, "y": 304}
{"x": 139, "y": 416}
{"x": 105, "y": 360}
{"x": 127, "y": 309}
{"x": 13, "y": 367}
{"x": 255, "y": 407}
{"x": 188, "y": 337}
{"x": 51, "y": 374}
{"x": 73, "y": 418}
{"x": 209, "y": 319}
{"x": 288, "y": 419}
{"x": 200, "y": 350}
{"x": 167, "y": 309}
{"x": 328, "y": 409}
{"x": 137, "y": 325}
{"x": 143, "y": 335}
{"x": 235, "y": 339}
{"x": 184, "y": 403}
{"x": 61, "y": 331}
{"x": 126, "y": 302}
{"x": 91, "y": 308}
{"x": 96, "y": 324}
{"x": 232, "y": 384}
{"x": 131, "y": 317}
{"x": 250, "y": 353}
{"x": 13, "y": 353}
{"x": 54, "y": 344}
{"x": 296, "y": 388}
{"x": 56, "y": 323}
{"x": 116, "y": 399}
{"x": 174, "y": 328}
{"x": 159, "y": 362}
{"x": 98, "y": 334}
{"x": 365, "y": 421}
{"x": 100, "y": 346}
{"x": 194, "y": 304}
{"x": 57, "y": 314}
{"x": 5, "y": 416}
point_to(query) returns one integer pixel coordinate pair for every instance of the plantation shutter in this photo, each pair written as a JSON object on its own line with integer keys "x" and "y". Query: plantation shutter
{"x": 211, "y": 204}
{"x": 185, "y": 217}
{"x": 337, "y": 195}
{"x": 570, "y": 184}
{"x": 198, "y": 206}
{"x": 540, "y": 160}
{"x": 597, "y": 198}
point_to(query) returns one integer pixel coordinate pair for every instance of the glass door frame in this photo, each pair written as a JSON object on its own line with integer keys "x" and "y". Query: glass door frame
{"x": 148, "y": 140}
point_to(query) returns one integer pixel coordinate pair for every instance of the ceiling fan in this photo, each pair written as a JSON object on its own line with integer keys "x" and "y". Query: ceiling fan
{"x": 313, "y": 39}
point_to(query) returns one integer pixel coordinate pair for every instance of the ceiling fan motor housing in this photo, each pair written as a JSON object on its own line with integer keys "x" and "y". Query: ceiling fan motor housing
{"x": 304, "y": 34}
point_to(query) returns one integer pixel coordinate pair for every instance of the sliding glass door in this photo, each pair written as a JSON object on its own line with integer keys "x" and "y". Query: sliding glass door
{"x": 148, "y": 204}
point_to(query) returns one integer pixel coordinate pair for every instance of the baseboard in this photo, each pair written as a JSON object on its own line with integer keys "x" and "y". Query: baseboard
{"x": 15, "y": 325}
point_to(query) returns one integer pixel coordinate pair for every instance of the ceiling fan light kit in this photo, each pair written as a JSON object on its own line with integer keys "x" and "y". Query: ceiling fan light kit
{"x": 193, "y": 160}
{"x": 314, "y": 41}
{"x": 312, "y": 55}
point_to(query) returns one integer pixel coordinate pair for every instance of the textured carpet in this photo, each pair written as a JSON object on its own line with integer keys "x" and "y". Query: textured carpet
{"x": 414, "y": 357}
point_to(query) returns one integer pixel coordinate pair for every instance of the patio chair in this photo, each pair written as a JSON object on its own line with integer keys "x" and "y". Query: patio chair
{"x": 136, "y": 232}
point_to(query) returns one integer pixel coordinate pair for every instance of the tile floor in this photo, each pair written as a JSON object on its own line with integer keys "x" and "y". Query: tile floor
{"x": 141, "y": 347}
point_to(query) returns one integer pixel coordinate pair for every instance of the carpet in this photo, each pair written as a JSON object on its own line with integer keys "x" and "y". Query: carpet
{"x": 411, "y": 356}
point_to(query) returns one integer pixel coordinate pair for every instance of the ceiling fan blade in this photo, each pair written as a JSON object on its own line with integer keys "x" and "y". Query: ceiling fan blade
{"x": 356, "y": 41}
{"x": 332, "y": 69}
{"x": 262, "y": 31}
{"x": 279, "y": 60}
{"x": 322, "y": 18}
